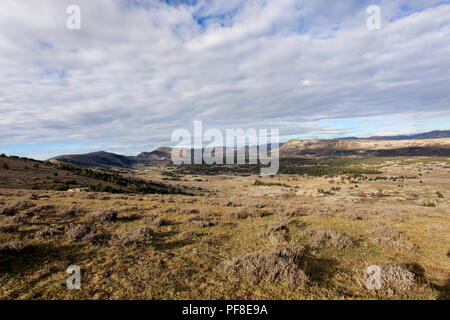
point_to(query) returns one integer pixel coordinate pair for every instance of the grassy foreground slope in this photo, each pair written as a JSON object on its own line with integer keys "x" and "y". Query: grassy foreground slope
{"x": 292, "y": 236}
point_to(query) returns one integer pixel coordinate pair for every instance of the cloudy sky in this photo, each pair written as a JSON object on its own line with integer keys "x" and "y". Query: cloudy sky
{"x": 138, "y": 69}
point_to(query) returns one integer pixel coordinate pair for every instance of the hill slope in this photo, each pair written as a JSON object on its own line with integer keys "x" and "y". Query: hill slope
{"x": 419, "y": 147}
{"x": 104, "y": 159}
{"x": 22, "y": 173}
{"x": 97, "y": 159}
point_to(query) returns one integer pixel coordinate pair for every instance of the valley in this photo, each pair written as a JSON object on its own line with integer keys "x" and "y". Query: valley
{"x": 224, "y": 232}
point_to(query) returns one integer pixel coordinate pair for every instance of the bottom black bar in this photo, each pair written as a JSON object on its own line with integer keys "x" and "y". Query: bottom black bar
{"x": 224, "y": 309}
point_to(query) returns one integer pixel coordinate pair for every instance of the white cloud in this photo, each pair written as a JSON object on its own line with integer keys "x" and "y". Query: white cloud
{"x": 134, "y": 73}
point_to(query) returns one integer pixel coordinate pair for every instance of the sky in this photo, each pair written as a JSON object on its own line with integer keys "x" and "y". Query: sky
{"x": 139, "y": 69}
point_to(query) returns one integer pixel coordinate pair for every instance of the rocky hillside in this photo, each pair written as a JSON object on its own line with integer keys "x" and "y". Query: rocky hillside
{"x": 359, "y": 147}
{"x": 160, "y": 156}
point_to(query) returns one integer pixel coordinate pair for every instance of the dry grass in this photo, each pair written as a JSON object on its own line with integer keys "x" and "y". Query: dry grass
{"x": 176, "y": 247}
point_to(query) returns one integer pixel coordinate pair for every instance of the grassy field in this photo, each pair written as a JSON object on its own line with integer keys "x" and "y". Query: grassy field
{"x": 292, "y": 236}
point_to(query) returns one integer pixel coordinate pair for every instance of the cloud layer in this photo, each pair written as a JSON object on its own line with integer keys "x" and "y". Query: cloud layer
{"x": 139, "y": 69}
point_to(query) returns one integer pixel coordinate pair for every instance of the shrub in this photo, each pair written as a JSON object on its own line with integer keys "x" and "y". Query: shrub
{"x": 439, "y": 194}
{"x": 79, "y": 231}
{"x": 14, "y": 246}
{"x": 70, "y": 211}
{"x": 329, "y": 238}
{"x": 232, "y": 204}
{"x": 430, "y": 204}
{"x": 5, "y": 166}
{"x": 280, "y": 226}
{"x": 60, "y": 187}
{"x": 97, "y": 237}
{"x": 161, "y": 222}
{"x": 103, "y": 215}
{"x": 270, "y": 184}
{"x": 294, "y": 212}
{"x": 277, "y": 232}
{"x": 35, "y": 211}
{"x": 12, "y": 224}
{"x": 9, "y": 211}
{"x": 284, "y": 264}
{"x": 184, "y": 211}
{"x": 389, "y": 237}
{"x": 355, "y": 216}
{"x": 136, "y": 236}
{"x": 33, "y": 196}
{"x": 245, "y": 213}
{"x": 47, "y": 232}
{"x": 23, "y": 205}
{"x": 202, "y": 222}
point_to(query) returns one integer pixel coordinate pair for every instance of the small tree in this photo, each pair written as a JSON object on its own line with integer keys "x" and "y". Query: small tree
{"x": 5, "y": 166}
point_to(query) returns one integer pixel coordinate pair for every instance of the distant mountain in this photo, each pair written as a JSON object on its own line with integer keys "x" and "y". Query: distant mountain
{"x": 97, "y": 159}
{"x": 104, "y": 159}
{"x": 160, "y": 156}
{"x": 434, "y": 143}
{"x": 366, "y": 148}
{"x": 436, "y": 134}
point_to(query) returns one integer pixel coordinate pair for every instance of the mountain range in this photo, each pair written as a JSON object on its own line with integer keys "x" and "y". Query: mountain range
{"x": 433, "y": 143}
{"x": 436, "y": 134}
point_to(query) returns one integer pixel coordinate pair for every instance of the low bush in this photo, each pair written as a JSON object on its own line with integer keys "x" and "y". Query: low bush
{"x": 284, "y": 264}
